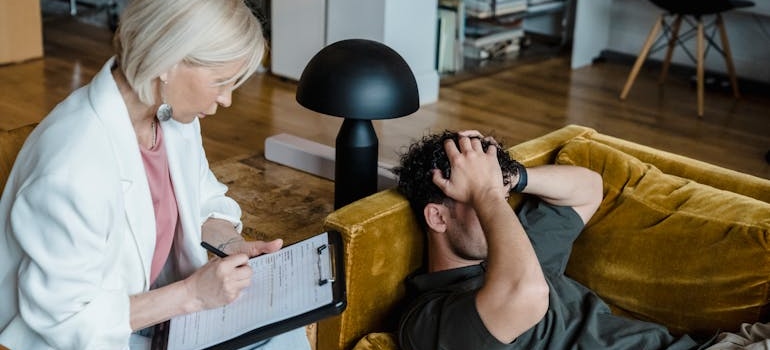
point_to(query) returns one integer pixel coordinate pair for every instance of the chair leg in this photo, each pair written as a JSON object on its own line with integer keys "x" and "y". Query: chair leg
{"x": 699, "y": 54}
{"x": 642, "y": 57}
{"x": 670, "y": 50}
{"x": 728, "y": 55}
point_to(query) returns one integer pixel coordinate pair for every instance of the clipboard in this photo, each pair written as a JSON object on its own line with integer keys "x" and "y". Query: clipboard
{"x": 330, "y": 276}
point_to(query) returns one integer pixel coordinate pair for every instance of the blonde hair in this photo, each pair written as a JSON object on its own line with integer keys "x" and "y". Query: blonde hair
{"x": 154, "y": 35}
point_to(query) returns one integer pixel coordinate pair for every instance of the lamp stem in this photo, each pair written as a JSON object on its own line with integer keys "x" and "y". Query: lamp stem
{"x": 355, "y": 165}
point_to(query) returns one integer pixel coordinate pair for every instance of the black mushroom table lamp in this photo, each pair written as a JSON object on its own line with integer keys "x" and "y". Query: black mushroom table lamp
{"x": 359, "y": 80}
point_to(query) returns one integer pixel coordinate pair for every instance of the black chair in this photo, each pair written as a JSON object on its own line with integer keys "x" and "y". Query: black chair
{"x": 692, "y": 12}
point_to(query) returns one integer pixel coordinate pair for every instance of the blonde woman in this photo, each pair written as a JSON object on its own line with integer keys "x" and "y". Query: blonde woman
{"x": 105, "y": 209}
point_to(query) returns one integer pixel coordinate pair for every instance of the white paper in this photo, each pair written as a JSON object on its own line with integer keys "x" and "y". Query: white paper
{"x": 284, "y": 284}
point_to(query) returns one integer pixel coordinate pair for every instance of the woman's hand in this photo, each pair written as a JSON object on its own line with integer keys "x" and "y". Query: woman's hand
{"x": 238, "y": 245}
{"x": 222, "y": 235}
{"x": 219, "y": 282}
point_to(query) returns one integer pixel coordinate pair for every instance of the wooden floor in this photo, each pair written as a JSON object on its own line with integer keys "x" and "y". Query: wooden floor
{"x": 516, "y": 104}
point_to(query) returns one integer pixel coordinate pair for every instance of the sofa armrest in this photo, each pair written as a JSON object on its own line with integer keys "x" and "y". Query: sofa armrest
{"x": 383, "y": 244}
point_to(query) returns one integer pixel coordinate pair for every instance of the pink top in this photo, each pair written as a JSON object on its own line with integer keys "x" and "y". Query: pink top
{"x": 163, "y": 201}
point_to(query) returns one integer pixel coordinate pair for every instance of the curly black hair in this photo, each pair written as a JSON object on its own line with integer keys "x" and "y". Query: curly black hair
{"x": 415, "y": 179}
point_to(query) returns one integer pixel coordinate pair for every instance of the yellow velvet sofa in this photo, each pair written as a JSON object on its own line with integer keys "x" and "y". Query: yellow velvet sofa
{"x": 675, "y": 241}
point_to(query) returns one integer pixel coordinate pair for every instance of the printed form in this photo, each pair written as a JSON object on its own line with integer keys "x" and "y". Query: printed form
{"x": 285, "y": 283}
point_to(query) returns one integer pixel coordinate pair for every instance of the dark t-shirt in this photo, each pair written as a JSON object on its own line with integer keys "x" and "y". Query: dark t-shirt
{"x": 443, "y": 314}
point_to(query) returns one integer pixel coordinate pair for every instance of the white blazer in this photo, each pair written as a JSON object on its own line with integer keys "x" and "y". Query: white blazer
{"x": 79, "y": 227}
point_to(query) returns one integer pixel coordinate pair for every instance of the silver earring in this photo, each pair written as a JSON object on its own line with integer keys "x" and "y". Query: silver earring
{"x": 165, "y": 111}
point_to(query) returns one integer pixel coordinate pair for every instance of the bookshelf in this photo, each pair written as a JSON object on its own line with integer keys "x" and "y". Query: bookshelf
{"x": 473, "y": 31}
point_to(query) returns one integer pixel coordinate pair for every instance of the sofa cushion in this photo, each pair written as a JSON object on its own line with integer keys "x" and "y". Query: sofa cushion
{"x": 670, "y": 250}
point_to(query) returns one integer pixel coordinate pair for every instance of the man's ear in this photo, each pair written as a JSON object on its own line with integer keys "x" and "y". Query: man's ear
{"x": 435, "y": 217}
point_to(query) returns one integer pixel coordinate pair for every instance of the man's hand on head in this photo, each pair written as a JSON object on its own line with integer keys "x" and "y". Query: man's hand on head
{"x": 475, "y": 173}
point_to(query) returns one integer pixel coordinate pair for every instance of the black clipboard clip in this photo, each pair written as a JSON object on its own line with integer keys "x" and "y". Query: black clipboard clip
{"x": 331, "y": 278}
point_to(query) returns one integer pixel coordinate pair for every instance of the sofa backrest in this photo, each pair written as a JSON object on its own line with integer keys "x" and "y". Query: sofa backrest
{"x": 701, "y": 172}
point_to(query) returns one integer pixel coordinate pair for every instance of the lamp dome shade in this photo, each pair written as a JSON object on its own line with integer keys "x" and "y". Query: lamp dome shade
{"x": 358, "y": 79}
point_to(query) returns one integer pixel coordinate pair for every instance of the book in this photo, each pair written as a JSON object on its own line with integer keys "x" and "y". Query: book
{"x": 480, "y": 33}
{"x": 447, "y": 60}
{"x": 539, "y": 2}
{"x": 492, "y": 8}
{"x": 300, "y": 284}
{"x": 499, "y": 49}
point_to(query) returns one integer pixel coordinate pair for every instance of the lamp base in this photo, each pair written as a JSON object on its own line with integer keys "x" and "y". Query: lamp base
{"x": 315, "y": 158}
{"x": 355, "y": 169}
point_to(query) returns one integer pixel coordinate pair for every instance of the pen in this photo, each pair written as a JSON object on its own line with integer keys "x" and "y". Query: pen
{"x": 213, "y": 249}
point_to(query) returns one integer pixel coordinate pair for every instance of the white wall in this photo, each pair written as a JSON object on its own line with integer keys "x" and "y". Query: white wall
{"x": 406, "y": 26}
{"x": 298, "y": 31}
{"x": 300, "y": 28}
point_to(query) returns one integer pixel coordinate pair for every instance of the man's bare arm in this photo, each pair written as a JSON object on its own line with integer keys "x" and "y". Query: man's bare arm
{"x": 566, "y": 185}
{"x": 515, "y": 295}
